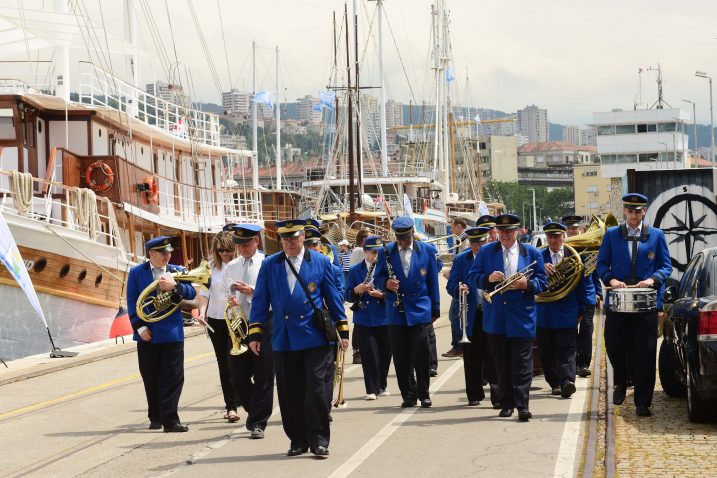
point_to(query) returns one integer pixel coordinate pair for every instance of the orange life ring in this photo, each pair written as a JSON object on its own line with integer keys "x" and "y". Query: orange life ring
{"x": 106, "y": 170}
{"x": 151, "y": 194}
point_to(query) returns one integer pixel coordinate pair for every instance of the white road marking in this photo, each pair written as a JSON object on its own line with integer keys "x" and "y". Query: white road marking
{"x": 372, "y": 445}
{"x": 567, "y": 453}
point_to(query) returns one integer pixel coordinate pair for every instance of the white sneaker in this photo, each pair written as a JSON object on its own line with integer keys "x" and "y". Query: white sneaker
{"x": 370, "y": 396}
{"x": 384, "y": 393}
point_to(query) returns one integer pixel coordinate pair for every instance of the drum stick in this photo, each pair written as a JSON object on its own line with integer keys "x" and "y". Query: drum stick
{"x": 634, "y": 286}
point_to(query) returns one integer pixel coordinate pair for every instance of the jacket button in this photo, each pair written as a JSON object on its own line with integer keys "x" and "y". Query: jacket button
{"x": 302, "y": 316}
{"x": 286, "y": 317}
{"x": 505, "y": 302}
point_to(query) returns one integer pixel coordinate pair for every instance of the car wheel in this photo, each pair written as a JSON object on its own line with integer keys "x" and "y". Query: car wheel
{"x": 698, "y": 411}
{"x": 672, "y": 385}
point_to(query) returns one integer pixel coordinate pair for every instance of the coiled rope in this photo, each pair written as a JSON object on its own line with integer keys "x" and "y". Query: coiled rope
{"x": 86, "y": 204}
{"x": 21, "y": 187}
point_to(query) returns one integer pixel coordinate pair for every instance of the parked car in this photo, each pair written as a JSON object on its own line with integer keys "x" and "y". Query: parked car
{"x": 688, "y": 355}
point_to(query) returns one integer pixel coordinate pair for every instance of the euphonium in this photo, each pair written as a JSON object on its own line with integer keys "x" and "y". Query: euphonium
{"x": 588, "y": 243}
{"x": 565, "y": 278}
{"x": 339, "y": 377}
{"x": 238, "y": 328}
{"x": 153, "y": 308}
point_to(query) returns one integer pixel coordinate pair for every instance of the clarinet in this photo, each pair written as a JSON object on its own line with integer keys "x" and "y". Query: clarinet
{"x": 391, "y": 275}
{"x": 357, "y": 303}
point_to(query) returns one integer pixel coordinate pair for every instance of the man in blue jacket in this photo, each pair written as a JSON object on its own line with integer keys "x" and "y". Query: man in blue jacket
{"x": 558, "y": 320}
{"x": 412, "y": 304}
{"x": 633, "y": 253}
{"x": 510, "y": 317}
{"x": 160, "y": 345}
{"x": 477, "y": 360}
{"x": 370, "y": 320}
{"x": 301, "y": 348}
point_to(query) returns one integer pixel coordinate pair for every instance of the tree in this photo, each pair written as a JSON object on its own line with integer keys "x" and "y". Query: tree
{"x": 518, "y": 199}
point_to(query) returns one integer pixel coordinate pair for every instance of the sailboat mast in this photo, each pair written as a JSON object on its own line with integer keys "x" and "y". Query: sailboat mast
{"x": 63, "y": 79}
{"x": 359, "y": 158}
{"x": 352, "y": 191}
{"x": 447, "y": 136}
{"x": 382, "y": 104}
{"x": 254, "y": 129}
{"x": 437, "y": 113}
{"x": 278, "y": 124}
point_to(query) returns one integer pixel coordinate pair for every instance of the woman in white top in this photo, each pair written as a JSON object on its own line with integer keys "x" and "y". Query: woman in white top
{"x": 211, "y": 306}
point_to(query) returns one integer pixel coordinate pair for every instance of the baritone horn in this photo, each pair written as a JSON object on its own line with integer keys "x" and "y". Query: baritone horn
{"x": 526, "y": 272}
{"x": 153, "y": 308}
{"x": 238, "y": 328}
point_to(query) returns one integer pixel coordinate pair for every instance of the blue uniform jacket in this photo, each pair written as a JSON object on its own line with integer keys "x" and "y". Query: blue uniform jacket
{"x": 372, "y": 312}
{"x": 339, "y": 279}
{"x": 512, "y": 313}
{"x": 294, "y": 327}
{"x": 653, "y": 258}
{"x": 462, "y": 264}
{"x": 168, "y": 330}
{"x": 421, "y": 295}
{"x": 563, "y": 313}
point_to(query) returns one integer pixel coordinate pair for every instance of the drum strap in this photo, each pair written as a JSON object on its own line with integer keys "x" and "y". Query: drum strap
{"x": 633, "y": 263}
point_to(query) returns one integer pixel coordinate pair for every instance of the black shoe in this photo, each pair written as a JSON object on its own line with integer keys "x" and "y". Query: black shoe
{"x": 497, "y": 406}
{"x": 506, "y": 412}
{"x": 176, "y": 428}
{"x": 296, "y": 451}
{"x": 555, "y": 391}
{"x": 155, "y": 425}
{"x": 473, "y": 403}
{"x": 584, "y": 372}
{"x": 356, "y": 359}
{"x": 628, "y": 384}
{"x": 320, "y": 451}
{"x": 524, "y": 415}
{"x": 433, "y": 372}
{"x": 331, "y": 419}
{"x": 643, "y": 412}
{"x": 257, "y": 433}
{"x": 408, "y": 404}
{"x": 567, "y": 390}
{"x": 426, "y": 403}
{"x": 618, "y": 394}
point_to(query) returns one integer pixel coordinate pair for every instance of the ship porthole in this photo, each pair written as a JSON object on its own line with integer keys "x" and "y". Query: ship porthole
{"x": 39, "y": 265}
{"x": 65, "y": 270}
{"x": 98, "y": 280}
{"x": 82, "y": 275}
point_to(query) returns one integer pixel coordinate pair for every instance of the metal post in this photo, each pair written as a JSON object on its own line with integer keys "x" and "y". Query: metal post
{"x": 694, "y": 122}
{"x": 535, "y": 222}
{"x": 702, "y": 74}
{"x": 254, "y": 127}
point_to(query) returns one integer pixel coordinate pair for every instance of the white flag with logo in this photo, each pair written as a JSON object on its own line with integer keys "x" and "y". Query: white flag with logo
{"x": 10, "y": 256}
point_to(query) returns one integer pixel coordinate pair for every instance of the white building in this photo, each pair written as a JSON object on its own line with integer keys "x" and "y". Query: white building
{"x": 171, "y": 93}
{"x": 579, "y": 136}
{"x": 236, "y": 103}
{"x": 306, "y": 110}
{"x": 641, "y": 140}
{"x": 394, "y": 114}
{"x": 533, "y": 123}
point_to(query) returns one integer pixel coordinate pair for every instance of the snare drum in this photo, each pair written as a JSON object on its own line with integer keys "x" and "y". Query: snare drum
{"x": 632, "y": 301}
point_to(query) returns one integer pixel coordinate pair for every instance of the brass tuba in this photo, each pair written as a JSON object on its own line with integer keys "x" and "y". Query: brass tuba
{"x": 238, "y": 326}
{"x": 160, "y": 305}
{"x": 588, "y": 243}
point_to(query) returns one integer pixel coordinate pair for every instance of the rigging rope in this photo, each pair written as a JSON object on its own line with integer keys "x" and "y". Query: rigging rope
{"x": 21, "y": 186}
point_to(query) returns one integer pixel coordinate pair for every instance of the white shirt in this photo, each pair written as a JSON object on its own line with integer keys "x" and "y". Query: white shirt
{"x": 513, "y": 255}
{"x": 157, "y": 271}
{"x": 405, "y": 255}
{"x": 217, "y": 294}
{"x": 244, "y": 270}
{"x": 368, "y": 266}
{"x": 631, "y": 233}
{"x": 556, "y": 257}
{"x": 297, "y": 267}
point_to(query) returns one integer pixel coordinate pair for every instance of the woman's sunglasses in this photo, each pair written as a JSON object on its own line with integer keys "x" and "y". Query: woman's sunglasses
{"x": 224, "y": 251}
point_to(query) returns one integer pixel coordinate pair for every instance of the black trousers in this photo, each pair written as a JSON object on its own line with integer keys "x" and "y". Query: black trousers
{"x": 301, "y": 386}
{"x": 375, "y": 345}
{"x": 557, "y": 348}
{"x": 162, "y": 370}
{"x": 632, "y": 338}
{"x": 253, "y": 377}
{"x": 355, "y": 341}
{"x": 410, "y": 350}
{"x": 433, "y": 365}
{"x": 331, "y": 374}
{"x": 222, "y": 345}
{"x": 514, "y": 368}
{"x": 478, "y": 363}
{"x": 585, "y": 337}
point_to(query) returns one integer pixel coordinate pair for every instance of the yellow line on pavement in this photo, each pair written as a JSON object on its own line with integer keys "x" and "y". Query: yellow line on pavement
{"x": 86, "y": 391}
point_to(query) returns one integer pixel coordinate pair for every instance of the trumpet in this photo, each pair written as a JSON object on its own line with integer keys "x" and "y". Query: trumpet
{"x": 527, "y": 272}
{"x": 463, "y": 308}
{"x": 238, "y": 327}
{"x": 340, "y": 402}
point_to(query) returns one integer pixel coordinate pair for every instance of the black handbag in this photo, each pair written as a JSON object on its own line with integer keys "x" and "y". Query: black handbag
{"x": 322, "y": 318}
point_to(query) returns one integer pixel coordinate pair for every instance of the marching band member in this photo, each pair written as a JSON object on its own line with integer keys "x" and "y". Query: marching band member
{"x": 488, "y": 221}
{"x": 357, "y": 257}
{"x": 253, "y": 375}
{"x": 633, "y": 253}
{"x": 412, "y": 303}
{"x": 211, "y": 312}
{"x": 477, "y": 360}
{"x": 558, "y": 320}
{"x": 593, "y": 292}
{"x": 458, "y": 227}
{"x": 510, "y": 318}
{"x": 301, "y": 349}
{"x": 371, "y": 321}
{"x": 160, "y": 345}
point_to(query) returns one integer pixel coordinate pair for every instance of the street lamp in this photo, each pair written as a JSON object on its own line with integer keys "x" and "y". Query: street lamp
{"x": 660, "y": 160}
{"x": 535, "y": 223}
{"x": 702, "y": 74}
{"x": 694, "y": 121}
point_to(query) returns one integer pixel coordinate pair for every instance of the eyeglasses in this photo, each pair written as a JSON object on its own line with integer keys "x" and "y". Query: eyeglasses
{"x": 224, "y": 251}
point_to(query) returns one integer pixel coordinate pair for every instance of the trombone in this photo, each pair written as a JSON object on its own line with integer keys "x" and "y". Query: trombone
{"x": 526, "y": 272}
{"x": 463, "y": 308}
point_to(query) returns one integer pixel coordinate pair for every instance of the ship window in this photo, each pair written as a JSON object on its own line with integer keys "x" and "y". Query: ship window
{"x": 82, "y": 275}
{"x": 39, "y": 265}
{"x": 7, "y": 128}
{"x": 99, "y": 132}
{"x": 65, "y": 270}
{"x": 39, "y": 126}
{"x": 98, "y": 280}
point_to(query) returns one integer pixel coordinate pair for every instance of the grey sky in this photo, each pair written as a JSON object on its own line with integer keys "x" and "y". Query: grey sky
{"x": 572, "y": 57}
